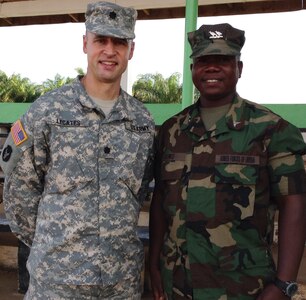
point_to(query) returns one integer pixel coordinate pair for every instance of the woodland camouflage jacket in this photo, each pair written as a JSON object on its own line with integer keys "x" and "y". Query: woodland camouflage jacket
{"x": 217, "y": 187}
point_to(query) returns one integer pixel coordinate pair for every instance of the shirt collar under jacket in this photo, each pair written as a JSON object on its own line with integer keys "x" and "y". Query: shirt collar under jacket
{"x": 233, "y": 120}
{"x": 122, "y": 110}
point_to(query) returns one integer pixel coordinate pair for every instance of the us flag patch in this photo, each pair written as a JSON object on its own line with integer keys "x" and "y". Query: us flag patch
{"x": 18, "y": 133}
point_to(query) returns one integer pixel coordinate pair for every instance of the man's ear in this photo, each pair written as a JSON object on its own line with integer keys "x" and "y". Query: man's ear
{"x": 240, "y": 67}
{"x": 85, "y": 43}
{"x": 132, "y": 50}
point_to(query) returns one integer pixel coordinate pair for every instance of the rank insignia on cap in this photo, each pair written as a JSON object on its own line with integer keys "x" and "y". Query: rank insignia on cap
{"x": 216, "y": 35}
{"x": 111, "y": 20}
{"x": 113, "y": 15}
{"x": 18, "y": 133}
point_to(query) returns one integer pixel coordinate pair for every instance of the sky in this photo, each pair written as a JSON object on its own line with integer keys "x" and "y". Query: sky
{"x": 274, "y": 53}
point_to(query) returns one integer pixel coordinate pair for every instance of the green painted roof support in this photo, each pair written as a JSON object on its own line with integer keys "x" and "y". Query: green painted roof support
{"x": 191, "y": 16}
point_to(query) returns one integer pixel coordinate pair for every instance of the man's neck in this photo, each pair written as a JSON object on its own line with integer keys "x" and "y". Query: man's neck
{"x": 215, "y": 102}
{"x": 101, "y": 90}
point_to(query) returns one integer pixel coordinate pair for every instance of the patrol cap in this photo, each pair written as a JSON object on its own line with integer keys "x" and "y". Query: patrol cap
{"x": 218, "y": 39}
{"x": 109, "y": 19}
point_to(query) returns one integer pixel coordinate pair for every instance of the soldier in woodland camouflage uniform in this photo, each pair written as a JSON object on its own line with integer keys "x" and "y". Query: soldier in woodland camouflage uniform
{"x": 77, "y": 168}
{"x": 223, "y": 167}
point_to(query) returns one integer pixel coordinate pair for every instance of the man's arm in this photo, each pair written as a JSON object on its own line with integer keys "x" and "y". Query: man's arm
{"x": 147, "y": 177}
{"x": 157, "y": 231}
{"x": 291, "y": 242}
{"x": 291, "y": 236}
{"x": 22, "y": 188}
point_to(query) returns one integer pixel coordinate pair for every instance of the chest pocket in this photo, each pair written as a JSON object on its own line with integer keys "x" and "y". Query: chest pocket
{"x": 73, "y": 157}
{"x": 235, "y": 190}
{"x": 126, "y": 146}
{"x": 131, "y": 151}
{"x": 173, "y": 168}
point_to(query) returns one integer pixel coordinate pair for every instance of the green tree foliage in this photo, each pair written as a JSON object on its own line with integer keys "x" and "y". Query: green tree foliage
{"x": 51, "y": 84}
{"x": 154, "y": 88}
{"x": 149, "y": 88}
{"x": 17, "y": 89}
{"x": 22, "y": 90}
{"x": 80, "y": 71}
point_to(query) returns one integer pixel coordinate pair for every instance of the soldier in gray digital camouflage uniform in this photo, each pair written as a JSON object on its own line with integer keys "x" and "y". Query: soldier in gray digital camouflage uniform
{"x": 77, "y": 168}
{"x": 223, "y": 167}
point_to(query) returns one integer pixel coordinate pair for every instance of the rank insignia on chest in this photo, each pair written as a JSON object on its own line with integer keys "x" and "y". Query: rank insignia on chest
{"x": 18, "y": 133}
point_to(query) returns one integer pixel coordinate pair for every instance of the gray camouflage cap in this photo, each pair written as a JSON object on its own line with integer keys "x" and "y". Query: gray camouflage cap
{"x": 219, "y": 39}
{"x": 110, "y": 19}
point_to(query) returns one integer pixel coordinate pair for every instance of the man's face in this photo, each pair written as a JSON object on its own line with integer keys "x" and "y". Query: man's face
{"x": 107, "y": 56}
{"x": 216, "y": 76}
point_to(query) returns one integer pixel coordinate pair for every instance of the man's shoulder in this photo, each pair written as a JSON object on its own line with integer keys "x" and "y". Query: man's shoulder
{"x": 49, "y": 105}
{"x": 257, "y": 110}
{"x": 60, "y": 94}
{"x": 138, "y": 108}
{"x": 262, "y": 117}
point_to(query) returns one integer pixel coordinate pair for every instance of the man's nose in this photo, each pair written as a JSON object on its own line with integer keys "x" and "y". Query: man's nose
{"x": 109, "y": 48}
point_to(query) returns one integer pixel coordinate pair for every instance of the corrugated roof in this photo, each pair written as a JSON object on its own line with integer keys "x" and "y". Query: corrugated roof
{"x": 27, "y": 12}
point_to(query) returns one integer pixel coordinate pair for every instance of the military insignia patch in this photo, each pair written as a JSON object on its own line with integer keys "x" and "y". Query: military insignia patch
{"x": 6, "y": 153}
{"x": 113, "y": 15}
{"x": 18, "y": 133}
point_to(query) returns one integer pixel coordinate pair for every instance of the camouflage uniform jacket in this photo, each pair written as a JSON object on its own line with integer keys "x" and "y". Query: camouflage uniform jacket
{"x": 216, "y": 188}
{"x": 74, "y": 188}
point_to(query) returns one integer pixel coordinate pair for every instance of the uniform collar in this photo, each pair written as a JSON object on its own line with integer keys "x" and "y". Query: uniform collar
{"x": 233, "y": 120}
{"x": 121, "y": 110}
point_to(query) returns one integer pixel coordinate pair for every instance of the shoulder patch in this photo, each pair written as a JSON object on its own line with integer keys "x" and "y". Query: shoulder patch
{"x": 18, "y": 133}
{"x": 6, "y": 153}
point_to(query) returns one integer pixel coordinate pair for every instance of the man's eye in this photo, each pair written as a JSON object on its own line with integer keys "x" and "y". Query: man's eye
{"x": 100, "y": 41}
{"x": 120, "y": 42}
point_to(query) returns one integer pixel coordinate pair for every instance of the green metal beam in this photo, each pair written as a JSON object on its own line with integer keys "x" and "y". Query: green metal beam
{"x": 190, "y": 25}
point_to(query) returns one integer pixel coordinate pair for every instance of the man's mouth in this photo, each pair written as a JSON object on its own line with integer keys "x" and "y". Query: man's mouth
{"x": 108, "y": 63}
{"x": 211, "y": 80}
